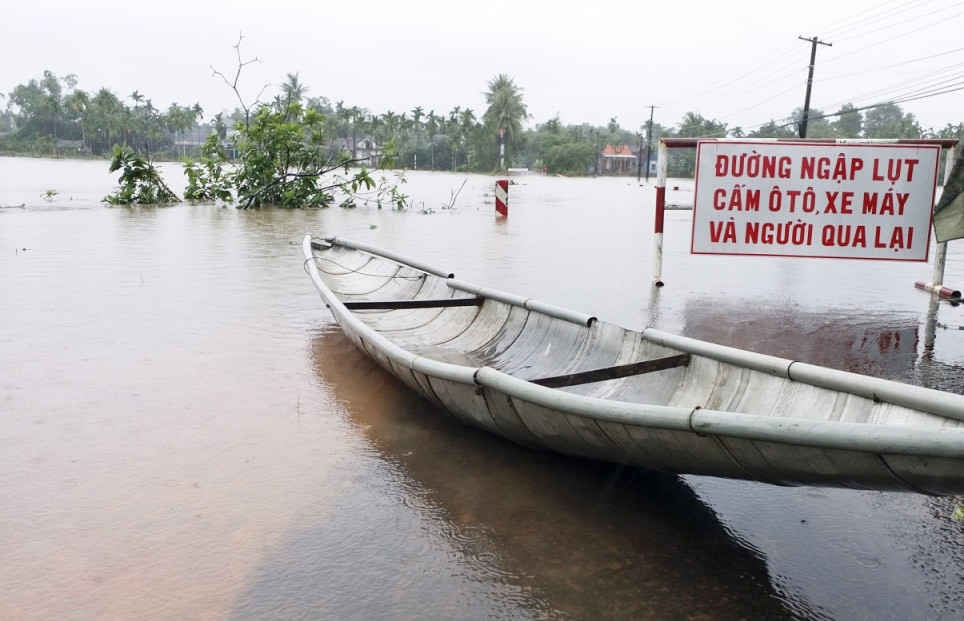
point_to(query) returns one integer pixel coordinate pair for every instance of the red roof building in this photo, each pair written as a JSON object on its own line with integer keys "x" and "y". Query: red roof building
{"x": 617, "y": 159}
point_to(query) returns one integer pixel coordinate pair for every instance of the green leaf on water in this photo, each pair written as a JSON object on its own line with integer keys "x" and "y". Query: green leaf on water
{"x": 958, "y": 513}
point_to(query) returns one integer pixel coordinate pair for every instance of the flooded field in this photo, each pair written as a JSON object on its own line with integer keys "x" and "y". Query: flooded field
{"x": 184, "y": 433}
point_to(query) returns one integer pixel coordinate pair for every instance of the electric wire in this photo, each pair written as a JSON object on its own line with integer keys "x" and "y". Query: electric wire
{"x": 838, "y": 76}
{"x": 864, "y": 33}
{"x": 891, "y": 38}
{"x": 843, "y": 33}
{"x": 906, "y": 87}
{"x": 786, "y": 70}
{"x": 868, "y": 16}
{"x": 944, "y": 91}
{"x": 885, "y": 17}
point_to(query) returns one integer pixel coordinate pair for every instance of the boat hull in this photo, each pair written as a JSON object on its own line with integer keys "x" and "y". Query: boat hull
{"x": 726, "y": 412}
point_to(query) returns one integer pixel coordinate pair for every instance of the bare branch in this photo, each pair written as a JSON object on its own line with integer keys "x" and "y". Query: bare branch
{"x": 233, "y": 85}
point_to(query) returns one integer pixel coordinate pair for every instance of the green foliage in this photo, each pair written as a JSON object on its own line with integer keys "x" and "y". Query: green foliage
{"x": 849, "y": 122}
{"x": 818, "y": 126}
{"x": 682, "y": 162}
{"x": 140, "y": 181}
{"x": 51, "y": 109}
{"x": 388, "y": 192}
{"x": 889, "y": 121}
{"x": 283, "y": 159}
{"x": 207, "y": 180}
{"x": 564, "y": 150}
{"x": 771, "y": 129}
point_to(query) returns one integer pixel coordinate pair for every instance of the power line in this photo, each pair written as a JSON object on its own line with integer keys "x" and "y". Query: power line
{"x": 868, "y": 16}
{"x": 761, "y": 102}
{"x": 899, "y": 64}
{"x": 874, "y": 18}
{"x": 885, "y": 16}
{"x": 742, "y": 76}
{"x": 922, "y": 82}
{"x": 945, "y": 91}
{"x": 889, "y": 39}
{"x": 784, "y": 70}
{"x": 864, "y": 32}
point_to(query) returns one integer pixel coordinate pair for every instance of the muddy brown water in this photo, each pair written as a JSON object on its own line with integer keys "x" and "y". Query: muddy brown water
{"x": 185, "y": 434}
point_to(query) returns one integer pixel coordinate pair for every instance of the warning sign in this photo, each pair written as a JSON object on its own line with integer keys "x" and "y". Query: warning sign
{"x": 855, "y": 201}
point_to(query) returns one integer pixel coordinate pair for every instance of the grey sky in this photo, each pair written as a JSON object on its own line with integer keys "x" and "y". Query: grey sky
{"x": 585, "y": 61}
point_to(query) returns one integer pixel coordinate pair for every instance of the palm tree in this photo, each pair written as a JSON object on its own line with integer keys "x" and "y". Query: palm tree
{"x": 468, "y": 128}
{"x": 506, "y": 110}
{"x": 293, "y": 89}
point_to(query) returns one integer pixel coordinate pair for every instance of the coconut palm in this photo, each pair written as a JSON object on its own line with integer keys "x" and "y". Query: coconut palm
{"x": 506, "y": 110}
{"x": 293, "y": 89}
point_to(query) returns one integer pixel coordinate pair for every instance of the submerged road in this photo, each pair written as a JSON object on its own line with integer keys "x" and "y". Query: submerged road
{"x": 186, "y": 434}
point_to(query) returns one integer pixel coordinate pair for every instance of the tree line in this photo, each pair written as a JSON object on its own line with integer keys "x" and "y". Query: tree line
{"x": 49, "y": 115}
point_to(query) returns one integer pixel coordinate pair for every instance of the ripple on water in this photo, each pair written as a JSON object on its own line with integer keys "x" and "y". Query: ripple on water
{"x": 184, "y": 434}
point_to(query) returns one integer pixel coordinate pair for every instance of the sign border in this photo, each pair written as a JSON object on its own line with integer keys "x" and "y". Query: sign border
{"x": 889, "y": 145}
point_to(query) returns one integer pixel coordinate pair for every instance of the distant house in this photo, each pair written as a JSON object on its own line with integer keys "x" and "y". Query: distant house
{"x": 367, "y": 148}
{"x": 617, "y": 160}
{"x": 364, "y": 149}
{"x": 70, "y": 146}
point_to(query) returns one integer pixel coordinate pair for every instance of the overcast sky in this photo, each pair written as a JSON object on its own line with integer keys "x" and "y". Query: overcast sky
{"x": 738, "y": 61}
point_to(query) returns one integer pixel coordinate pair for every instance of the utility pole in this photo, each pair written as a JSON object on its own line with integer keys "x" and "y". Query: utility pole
{"x": 639, "y": 156}
{"x": 649, "y": 141}
{"x": 806, "y": 102}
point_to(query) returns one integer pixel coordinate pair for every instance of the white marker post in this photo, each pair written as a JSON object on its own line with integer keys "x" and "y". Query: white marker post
{"x": 662, "y": 153}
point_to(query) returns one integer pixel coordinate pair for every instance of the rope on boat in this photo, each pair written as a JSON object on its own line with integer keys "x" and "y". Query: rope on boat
{"x": 349, "y": 270}
{"x": 304, "y": 266}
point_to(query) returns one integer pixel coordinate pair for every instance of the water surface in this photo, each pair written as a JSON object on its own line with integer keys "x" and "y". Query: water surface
{"x": 184, "y": 433}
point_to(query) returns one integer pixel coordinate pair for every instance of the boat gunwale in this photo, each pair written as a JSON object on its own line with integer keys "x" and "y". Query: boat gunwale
{"x": 865, "y": 437}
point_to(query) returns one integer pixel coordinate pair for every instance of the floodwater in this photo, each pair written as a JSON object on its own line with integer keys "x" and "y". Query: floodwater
{"x": 185, "y": 434}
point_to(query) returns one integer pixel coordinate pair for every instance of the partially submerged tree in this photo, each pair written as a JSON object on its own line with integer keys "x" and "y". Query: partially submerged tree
{"x": 207, "y": 180}
{"x": 284, "y": 157}
{"x": 140, "y": 181}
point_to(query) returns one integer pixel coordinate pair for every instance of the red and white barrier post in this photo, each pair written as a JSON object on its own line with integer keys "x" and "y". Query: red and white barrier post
{"x": 661, "y": 156}
{"x": 945, "y": 292}
{"x": 502, "y": 197}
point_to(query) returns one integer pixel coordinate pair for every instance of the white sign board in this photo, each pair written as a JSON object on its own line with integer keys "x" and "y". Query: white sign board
{"x": 855, "y": 201}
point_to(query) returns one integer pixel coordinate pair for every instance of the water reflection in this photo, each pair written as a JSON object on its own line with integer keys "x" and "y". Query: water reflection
{"x": 889, "y": 344}
{"x": 882, "y": 345}
{"x": 566, "y": 538}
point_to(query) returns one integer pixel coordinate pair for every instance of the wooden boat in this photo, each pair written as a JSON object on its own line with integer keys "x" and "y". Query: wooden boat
{"x": 556, "y": 379}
